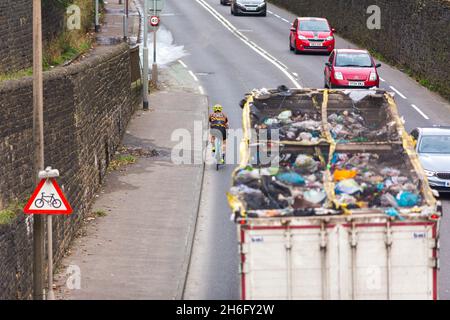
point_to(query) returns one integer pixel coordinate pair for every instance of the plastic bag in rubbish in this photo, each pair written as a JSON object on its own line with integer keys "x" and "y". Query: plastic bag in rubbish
{"x": 271, "y": 121}
{"x": 348, "y": 186}
{"x": 291, "y": 177}
{"x": 314, "y": 196}
{"x": 285, "y": 115}
{"x": 388, "y": 200}
{"x": 306, "y": 162}
{"x": 344, "y": 174}
{"x": 407, "y": 199}
{"x": 391, "y": 172}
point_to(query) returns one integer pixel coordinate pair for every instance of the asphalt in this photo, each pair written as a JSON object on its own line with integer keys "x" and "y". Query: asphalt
{"x": 227, "y": 68}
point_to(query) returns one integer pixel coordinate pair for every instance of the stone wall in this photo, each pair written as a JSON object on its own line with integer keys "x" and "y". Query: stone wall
{"x": 414, "y": 34}
{"x": 87, "y": 107}
{"x": 16, "y": 31}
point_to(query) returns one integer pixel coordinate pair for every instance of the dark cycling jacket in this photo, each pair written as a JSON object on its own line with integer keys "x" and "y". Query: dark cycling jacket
{"x": 218, "y": 119}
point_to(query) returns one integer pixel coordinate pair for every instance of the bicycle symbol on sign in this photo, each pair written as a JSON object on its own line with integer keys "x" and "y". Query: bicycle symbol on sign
{"x": 50, "y": 200}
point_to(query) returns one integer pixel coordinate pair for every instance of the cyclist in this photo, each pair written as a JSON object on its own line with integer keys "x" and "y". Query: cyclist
{"x": 218, "y": 121}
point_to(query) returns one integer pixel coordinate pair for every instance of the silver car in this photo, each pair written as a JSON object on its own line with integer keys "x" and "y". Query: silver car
{"x": 433, "y": 147}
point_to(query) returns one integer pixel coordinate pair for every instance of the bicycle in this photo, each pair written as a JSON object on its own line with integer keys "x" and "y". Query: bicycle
{"x": 218, "y": 152}
{"x": 52, "y": 201}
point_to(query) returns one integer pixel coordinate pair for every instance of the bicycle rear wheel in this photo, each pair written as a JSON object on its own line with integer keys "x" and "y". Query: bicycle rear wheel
{"x": 218, "y": 153}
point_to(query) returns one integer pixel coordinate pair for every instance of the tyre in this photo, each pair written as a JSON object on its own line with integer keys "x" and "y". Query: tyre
{"x": 290, "y": 44}
{"x": 39, "y": 203}
{"x": 56, "y": 203}
{"x": 296, "y": 50}
{"x": 264, "y": 14}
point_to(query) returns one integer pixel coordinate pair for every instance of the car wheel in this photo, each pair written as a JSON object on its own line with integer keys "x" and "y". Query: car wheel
{"x": 290, "y": 44}
{"x": 264, "y": 14}
{"x": 325, "y": 84}
{"x": 296, "y": 51}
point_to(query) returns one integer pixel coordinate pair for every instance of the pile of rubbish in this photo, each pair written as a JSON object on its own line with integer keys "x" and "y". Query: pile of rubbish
{"x": 367, "y": 180}
{"x": 295, "y": 187}
{"x": 352, "y": 126}
{"x": 300, "y": 126}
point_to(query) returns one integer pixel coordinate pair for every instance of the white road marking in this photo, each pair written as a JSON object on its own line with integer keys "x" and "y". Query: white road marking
{"x": 276, "y": 15}
{"x": 277, "y": 63}
{"x": 420, "y": 111}
{"x": 200, "y": 88}
{"x": 398, "y": 92}
{"x": 382, "y": 79}
{"x": 182, "y": 63}
{"x": 269, "y": 11}
{"x": 193, "y": 75}
{"x": 295, "y": 74}
{"x": 285, "y": 20}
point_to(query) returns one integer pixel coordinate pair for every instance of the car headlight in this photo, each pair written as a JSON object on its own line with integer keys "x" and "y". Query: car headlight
{"x": 329, "y": 38}
{"x": 302, "y": 37}
{"x": 338, "y": 76}
{"x": 261, "y": 4}
{"x": 429, "y": 173}
{"x": 373, "y": 76}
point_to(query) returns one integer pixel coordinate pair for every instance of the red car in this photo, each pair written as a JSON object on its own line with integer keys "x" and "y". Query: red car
{"x": 350, "y": 68}
{"x": 311, "y": 35}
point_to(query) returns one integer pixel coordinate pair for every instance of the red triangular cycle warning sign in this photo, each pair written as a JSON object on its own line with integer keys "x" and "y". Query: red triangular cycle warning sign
{"x": 48, "y": 199}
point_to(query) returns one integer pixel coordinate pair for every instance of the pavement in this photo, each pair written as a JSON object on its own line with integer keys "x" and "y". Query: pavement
{"x": 112, "y": 31}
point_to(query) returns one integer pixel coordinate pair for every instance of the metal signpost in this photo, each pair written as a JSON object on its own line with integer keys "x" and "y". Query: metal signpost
{"x": 154, "y": 7}
{"x": 48, "y": 199}
{"x": 38, "y": 143}
{"x": 97, "y": 24}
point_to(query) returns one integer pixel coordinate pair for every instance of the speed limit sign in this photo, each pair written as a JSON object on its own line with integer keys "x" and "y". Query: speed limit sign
{"x": 154, "y": 21}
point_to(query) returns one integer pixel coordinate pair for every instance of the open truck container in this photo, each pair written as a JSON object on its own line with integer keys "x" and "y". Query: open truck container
{"x": 305, "y": 232}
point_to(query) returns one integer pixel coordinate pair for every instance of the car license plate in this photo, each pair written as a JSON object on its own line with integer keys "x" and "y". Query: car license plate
{"x": 315, "y": 44}
{"x": 356, "y": 83}
{"x": 251, "y": 8}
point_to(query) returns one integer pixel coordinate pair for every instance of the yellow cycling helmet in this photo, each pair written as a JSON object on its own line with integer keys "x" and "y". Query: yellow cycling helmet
{"x": 217, "y": 108}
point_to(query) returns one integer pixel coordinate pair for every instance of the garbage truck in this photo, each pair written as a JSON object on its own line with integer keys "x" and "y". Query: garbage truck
{"x": 330, "y": 200}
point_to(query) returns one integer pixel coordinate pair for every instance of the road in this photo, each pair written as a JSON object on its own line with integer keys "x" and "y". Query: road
{"x": 226, "y": 67}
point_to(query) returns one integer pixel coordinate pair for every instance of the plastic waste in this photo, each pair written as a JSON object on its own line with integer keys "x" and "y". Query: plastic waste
{"x": 344, "y": 174}
{"x": 306, "y": 162}
{"x": 291, "y": 178}
{"x": 407, "y": 199}
{"x": 314, "y": 196}
{"x": 392, "y": 212}
{"x": 388, "y": 200}
{"x": 348, "y": 186}
{"x": 285, "y": 115}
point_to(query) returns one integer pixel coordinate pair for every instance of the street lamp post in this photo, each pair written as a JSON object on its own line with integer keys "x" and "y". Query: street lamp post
{"x": 154, "y": 66}
{"x": 145, "y": 57}
{"x": 97, "y": 24}
{"x": 38, "y": 143}
{"x": 125, "y": 21}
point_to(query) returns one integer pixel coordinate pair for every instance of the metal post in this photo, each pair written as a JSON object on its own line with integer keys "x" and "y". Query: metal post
{"x": 154, "y": 66}
{"x": 97, "y": 24}
{"x": 38, "y": 143}
{"x": 125, "y": 21}
{"x": 145, "y": 57}
{"x": 51, "y": 294}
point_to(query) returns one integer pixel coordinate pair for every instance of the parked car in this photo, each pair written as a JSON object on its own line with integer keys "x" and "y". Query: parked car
{"x": 311, "y": 35}
{"x": 351, "y": 68}
{"x": 251, "y": 7}
{"x": 433, "y": 147}
{"x": 225, "y": 2}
